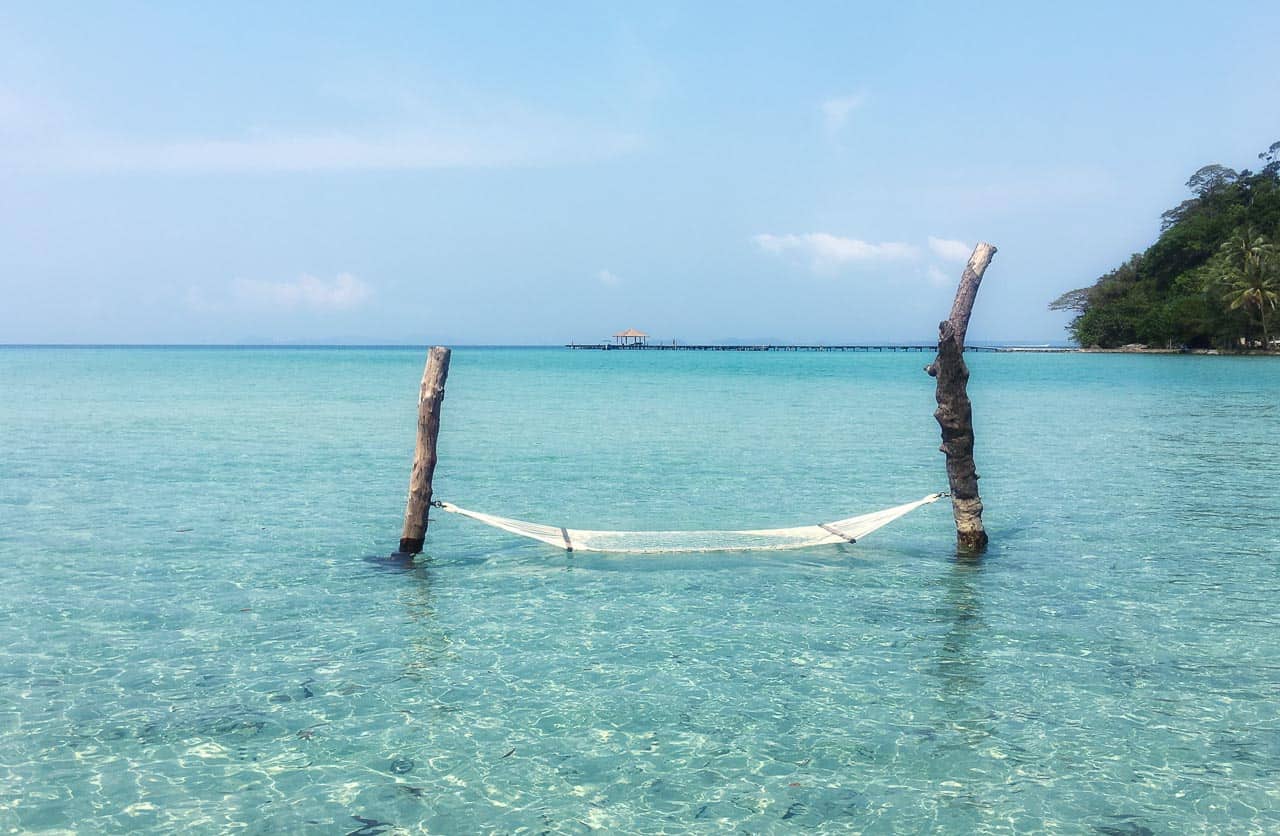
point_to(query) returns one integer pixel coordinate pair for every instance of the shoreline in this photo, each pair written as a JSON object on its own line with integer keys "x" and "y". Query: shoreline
{"x": 1199, "y": 352}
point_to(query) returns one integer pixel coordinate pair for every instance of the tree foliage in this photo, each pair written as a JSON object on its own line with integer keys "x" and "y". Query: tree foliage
{"x": 1248, "y": 281}
{"x": 1210, "y": 278}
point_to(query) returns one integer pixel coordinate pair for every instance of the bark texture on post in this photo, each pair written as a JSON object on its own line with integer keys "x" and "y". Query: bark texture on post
{"x": 430, "y": 398}
{"x": 955, "y": 412}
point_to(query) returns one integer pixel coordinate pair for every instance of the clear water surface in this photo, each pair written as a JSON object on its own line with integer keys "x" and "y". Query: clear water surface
{"x": 202, "y": 630}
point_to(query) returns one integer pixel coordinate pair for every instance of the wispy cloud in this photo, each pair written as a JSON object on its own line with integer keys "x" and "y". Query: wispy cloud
{"x": 825, "y": 251}
{"x": 837, "y": 111}
{"x": 950, "y": 249}
{"x": 399, "y": 133}
{"x": 986, "y": 189}
{"x": 937, "y": 276}
{"x": 609, "y": 279}
{"x": 343, "y": 292}
{"x": 19, "y": 112}
{"x": 334, "y": 152}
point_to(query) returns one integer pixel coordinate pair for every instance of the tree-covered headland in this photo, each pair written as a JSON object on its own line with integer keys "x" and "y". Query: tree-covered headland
{"x": 1212, "y": 279}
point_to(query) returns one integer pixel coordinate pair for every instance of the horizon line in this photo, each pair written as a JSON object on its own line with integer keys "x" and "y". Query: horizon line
{"x": 427, "y": 344}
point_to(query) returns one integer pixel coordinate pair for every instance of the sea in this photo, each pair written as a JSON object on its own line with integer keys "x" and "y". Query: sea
{"x": 204, "y": 629}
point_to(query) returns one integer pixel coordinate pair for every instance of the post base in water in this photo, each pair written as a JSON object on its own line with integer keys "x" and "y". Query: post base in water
{"x": 971, "y": 542}
{"x": 410, "y": 545}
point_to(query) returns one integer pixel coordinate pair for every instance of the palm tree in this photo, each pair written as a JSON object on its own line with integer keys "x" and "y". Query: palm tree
{"x": 1250, "y": 277}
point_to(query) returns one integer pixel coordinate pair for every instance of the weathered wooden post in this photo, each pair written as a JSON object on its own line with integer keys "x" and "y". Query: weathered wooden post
{"x": 955, "y": 412}
{"x": 430, "y": 398}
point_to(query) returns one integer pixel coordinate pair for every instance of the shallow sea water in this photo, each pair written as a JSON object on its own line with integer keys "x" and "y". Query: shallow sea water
{"x": 202, "y": 629}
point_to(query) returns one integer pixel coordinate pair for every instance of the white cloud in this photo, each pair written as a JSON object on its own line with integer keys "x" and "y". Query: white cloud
{"x": 836, "y": 111}
{"x": 344, "y": 292}
{"x": 826, "y": 251}
{"x": 949, "y": 249}
{"x": 610, "y": 279}
{"x": 937, "y": 276}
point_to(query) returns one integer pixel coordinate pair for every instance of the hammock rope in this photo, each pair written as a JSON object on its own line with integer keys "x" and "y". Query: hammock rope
{"x": 848, "y": 530}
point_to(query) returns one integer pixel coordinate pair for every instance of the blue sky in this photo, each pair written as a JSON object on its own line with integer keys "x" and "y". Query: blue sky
{"x": 539, "y": 173}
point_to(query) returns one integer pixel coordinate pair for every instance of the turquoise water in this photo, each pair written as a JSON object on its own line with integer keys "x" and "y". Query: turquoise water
{"x": 202, "y": 629}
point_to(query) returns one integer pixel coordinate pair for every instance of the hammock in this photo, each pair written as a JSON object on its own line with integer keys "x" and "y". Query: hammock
{"x": 649, "y": 542}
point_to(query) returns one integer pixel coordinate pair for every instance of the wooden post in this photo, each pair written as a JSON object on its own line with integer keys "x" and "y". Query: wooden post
{"x": 955, "y": 412}
{"x": 430, "y": 397}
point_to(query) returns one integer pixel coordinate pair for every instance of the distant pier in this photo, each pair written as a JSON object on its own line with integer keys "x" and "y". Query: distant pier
{"x": 927, "y": 347}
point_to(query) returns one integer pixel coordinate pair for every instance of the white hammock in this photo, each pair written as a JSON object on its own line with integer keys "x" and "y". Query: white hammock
{"x": 649, "y": 542}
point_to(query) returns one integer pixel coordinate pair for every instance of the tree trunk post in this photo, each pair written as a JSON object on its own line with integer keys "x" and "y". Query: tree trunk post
{"x": 430, "y": 398}
{"x": 955, "y": 412}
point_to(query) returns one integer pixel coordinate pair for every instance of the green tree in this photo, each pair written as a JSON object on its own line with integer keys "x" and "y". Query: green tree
{"x": 1205, "y": 280}
{"x": 1250, "y": 276}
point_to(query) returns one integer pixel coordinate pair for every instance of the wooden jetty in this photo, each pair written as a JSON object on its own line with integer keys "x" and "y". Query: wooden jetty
{"x": 716, "y": 347}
